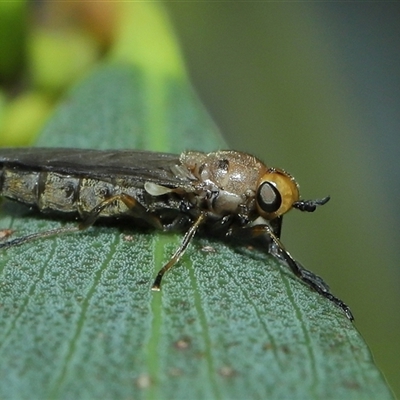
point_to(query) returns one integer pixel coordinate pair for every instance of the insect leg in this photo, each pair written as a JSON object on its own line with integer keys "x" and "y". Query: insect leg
{"x": 276, "y": 226}
{"x": 29, "y": 238}
{"x": 315, "y": 282}
{"x": 312, "y": 280}
{"x": 179, "y": 252}
{"x": 133, "y": 205}
{"x": 93, "y": 215}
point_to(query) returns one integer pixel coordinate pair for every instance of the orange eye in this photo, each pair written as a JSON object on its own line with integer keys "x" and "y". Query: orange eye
{"x": 276, "y": 193}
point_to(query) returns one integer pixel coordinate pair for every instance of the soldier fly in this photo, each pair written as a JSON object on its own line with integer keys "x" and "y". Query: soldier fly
{"x": 228, "y": 193}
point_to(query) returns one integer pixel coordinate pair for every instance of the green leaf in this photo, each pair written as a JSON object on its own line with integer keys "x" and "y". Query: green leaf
{"x": 78, "y": 319}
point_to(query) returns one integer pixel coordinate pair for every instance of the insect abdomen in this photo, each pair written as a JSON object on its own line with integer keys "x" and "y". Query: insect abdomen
{"x": 51, "y": 191}
{"x": 46, "y": 190}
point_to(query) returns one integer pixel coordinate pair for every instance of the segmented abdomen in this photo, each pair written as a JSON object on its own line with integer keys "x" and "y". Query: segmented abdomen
{"x": 51, "y": 191}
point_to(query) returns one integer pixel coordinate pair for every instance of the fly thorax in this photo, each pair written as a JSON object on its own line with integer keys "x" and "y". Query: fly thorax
{"x": 229, "y": 178}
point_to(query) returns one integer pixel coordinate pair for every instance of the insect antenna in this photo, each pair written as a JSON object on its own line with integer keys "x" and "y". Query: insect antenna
{"x": 310, "y": 205}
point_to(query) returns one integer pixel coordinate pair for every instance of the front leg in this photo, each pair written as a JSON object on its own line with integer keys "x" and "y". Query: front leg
{"x": 277, "y": 249}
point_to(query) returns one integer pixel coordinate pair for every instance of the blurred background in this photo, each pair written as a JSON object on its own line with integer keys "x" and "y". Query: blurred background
{"x": 313, "y": 88}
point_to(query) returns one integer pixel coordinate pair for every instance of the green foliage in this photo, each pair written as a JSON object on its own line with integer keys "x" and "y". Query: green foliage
{"x": 78, "y": 319}
{"x": 12, "y": 37}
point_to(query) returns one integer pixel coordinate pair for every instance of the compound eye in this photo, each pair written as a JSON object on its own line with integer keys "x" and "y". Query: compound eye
{"x": 268, "y": 197}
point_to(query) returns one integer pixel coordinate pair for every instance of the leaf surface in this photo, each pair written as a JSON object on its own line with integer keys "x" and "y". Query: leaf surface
{"x": 78, "y": 319}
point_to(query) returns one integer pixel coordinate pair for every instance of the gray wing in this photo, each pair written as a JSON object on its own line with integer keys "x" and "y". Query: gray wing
{"x": 143, "y": 166}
